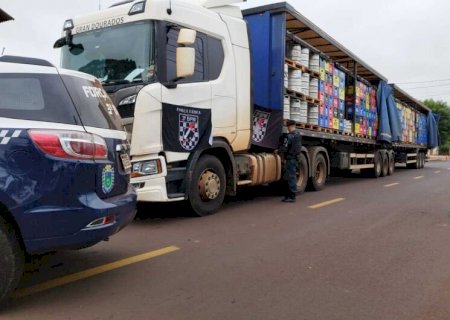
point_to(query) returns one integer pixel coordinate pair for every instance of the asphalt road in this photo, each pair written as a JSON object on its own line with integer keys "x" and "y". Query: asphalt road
{"x": 380, "y": 249}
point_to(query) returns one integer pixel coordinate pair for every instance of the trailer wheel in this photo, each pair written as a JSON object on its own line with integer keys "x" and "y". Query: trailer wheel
{"x": 302, "y": 174}
{"x": 11, "y": 259}
{"x": 391, "y": 163}
{"x": 424, "y": 158}
{"x": 385, "y": 164}
{"x": 207, "y": 188}
{"x": 319, "y": 173}
{"x": 377, "y": 165}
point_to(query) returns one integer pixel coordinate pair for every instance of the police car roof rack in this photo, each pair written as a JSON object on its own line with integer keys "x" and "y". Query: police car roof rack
{"x": 26, "y": 60}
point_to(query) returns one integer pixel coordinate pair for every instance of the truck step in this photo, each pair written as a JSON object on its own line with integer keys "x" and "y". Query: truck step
{"x": 244, "y": 182}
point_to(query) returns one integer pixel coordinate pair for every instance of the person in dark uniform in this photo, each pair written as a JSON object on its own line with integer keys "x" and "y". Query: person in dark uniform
{"x": 290, "y": 148}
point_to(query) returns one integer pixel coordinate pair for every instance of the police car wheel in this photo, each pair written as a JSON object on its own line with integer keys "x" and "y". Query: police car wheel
{"x": 207, "y": 188}
{"x": 11, "y": 260}
{"x": 302, "y": 174}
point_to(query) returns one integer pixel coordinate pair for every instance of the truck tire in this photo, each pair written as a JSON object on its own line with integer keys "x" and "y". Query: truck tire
{"x": 391, "y": 163}
{"x": 415, "y": 165}
{"x": 207, "y": 187}
{"x": 424, "y": 160}
{"x": 377, "y": 165}
{"x": 11, "y": 260}
{"x": 319, "y": 173}
{"x": 302, "y": 174}
{"x": 419, "y": 161}
{"x": 384, "y": 164}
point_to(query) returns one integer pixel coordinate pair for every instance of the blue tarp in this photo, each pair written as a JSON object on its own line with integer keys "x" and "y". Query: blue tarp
{"x": 433, "y": 136}
{"x": 389, "y": 128}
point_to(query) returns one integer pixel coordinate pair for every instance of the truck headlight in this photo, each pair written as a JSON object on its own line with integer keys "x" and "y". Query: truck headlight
{"x": 128, "y": 100}
{"x": 146, "y": 168}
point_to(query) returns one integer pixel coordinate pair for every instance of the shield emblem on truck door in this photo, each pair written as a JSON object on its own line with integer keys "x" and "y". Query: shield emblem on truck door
{"x": 188, "y": 134}
{"x": 260, "y": 123}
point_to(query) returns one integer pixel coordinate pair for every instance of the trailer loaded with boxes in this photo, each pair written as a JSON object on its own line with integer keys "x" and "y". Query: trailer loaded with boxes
{"x": 342, "y": 106}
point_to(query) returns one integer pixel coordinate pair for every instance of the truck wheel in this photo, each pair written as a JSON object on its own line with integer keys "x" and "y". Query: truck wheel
{"x": 302, "y": 174}
{"x": 377, "y": 165}
{"x": 11, "y": 260}
{"x": 415, "y": 165}
{"x": 391, "y": 163}
{"x": 424, "y": 158}
{"x": 319, "y": 173}
{"x": 207, "y": 188}
{"x": 385, "y": 164}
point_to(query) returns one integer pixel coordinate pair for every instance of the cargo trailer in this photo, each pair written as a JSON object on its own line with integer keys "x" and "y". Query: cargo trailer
{"x": 205, "y": 88}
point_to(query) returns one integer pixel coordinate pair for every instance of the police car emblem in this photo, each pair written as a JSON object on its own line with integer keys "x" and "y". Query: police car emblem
{"x": 260, "y": 122}
{"x": 107, "y": 179}
{"x": 188, "y": 133}
{"x": 7, "y": 135}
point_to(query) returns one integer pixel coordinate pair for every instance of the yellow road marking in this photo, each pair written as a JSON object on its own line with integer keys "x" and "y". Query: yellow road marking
{"x": 92, "y": 272}
{"x": 391, "y": 185}
{"x": 419, "y": 177}
{"x": 437, "y": 172}
{"x": 326, "y": 203}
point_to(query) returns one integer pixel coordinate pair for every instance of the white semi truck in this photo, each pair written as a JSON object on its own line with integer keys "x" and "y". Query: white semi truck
{"x": 200, "y": 87}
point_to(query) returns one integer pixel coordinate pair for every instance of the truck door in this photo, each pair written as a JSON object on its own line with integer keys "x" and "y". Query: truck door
{"x": 194, "y": 91}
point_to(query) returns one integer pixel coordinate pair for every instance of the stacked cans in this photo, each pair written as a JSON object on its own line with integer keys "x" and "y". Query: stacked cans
{"x": 314, "y": 63}
{"x": 313, "y": 114}
{"x": 299, "y": 110}
{"x": 286, "y": 76}
{"x": 314, "y": 88}
{"x": 287, "y": 107}
{"x": 362, "y": 108}
{"x": 304, "y": 58}
{"x": 331, "y": 96}
{"x": 295, "y": 80}
{"x": 295, "y": 53}
{"x": 305, "y": 84}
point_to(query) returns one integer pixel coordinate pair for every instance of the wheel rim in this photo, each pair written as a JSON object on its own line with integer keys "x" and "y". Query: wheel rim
{"x": 209, "y": 185}
{"x": 320, "y": 172}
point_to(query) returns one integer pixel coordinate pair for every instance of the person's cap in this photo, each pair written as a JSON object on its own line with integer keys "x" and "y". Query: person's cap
{"x": 290, "y": 123}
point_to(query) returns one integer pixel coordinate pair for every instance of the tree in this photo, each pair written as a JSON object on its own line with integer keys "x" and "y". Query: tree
{"x": 443, "y": 109}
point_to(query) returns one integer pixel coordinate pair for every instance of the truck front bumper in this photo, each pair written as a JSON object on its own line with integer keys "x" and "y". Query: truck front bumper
{"x": 153, "y": 188}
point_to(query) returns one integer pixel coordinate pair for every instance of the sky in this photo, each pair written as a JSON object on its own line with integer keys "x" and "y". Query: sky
{"x": 407, "y": 41}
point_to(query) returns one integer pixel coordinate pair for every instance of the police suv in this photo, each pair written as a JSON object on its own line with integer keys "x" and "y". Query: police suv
{"x": 64, "y": 164}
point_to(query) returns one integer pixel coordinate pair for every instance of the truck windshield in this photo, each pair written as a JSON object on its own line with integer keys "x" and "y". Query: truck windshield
{"x": 116, "y": 55}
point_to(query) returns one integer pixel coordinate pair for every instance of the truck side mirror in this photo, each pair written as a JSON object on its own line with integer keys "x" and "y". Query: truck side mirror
{"x": 185, "y": 62}
{"x": 186, "y": 37}
{"x": 186, "y": 56}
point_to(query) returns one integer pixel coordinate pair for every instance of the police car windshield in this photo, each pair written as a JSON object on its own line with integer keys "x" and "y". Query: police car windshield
{"x": 116, "y": 55}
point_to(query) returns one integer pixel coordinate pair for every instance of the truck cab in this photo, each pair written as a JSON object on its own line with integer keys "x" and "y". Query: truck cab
{"x": 179, "y": 73}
